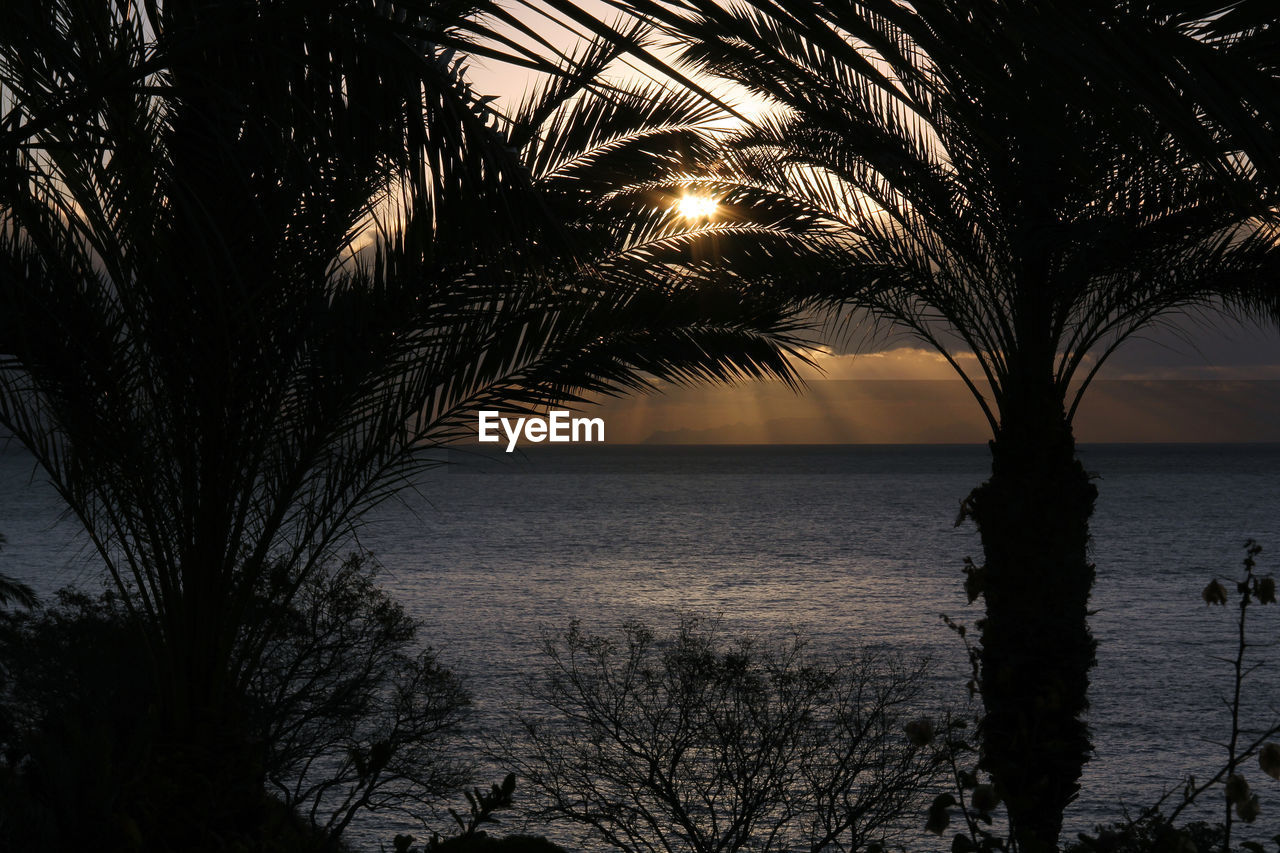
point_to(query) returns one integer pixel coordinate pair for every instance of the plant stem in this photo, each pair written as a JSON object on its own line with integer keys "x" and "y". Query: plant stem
{"x": 1241, "y": 645}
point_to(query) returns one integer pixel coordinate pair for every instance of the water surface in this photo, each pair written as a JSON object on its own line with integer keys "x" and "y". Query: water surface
{"x": 855, "y": 544}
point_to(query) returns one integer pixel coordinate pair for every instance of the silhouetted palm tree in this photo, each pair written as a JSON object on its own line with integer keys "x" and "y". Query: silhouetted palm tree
{"x": 254, "y": 258}
{"x": 992, "y": 177}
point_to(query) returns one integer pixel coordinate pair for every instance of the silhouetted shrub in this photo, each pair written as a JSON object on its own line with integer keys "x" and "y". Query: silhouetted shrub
{"x": 344, "y": 714}
{"x": 78, "y": 700}
{"x": 472, "y": 839}
{"x": 483, "y": 843}
{"x": 480, "y": 842}
{"x": 13, "y": 591}
{"x": 355, "y": 715}
{"x": 696, "y": 741}
{"x": 1152, "y": 835}
{"x": 1155, "y": 828}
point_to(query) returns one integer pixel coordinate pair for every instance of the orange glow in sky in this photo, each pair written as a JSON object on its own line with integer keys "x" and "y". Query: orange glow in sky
{"x": 1203, "y": 381}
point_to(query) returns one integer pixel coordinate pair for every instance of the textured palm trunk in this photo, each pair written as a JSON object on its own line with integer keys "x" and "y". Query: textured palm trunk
{"x": 207, "y": 779}
{"x": 1036, "y": 648}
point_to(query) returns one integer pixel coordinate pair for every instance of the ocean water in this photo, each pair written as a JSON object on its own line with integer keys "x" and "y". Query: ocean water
{"x": 854, "y": 545}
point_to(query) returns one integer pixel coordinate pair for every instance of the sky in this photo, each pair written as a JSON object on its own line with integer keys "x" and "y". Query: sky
{"x": 1194, "y": 379}
{"x": 1222, "y": 387}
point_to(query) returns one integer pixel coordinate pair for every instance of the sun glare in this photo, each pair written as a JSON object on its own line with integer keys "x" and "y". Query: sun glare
{"x": 695, "y": 207}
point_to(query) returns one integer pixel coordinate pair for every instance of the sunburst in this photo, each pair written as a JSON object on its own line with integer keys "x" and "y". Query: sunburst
{"x": 696, "y": 207}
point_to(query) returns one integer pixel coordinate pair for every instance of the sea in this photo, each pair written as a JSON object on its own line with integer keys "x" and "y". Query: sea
{"x": 856, "y": 547}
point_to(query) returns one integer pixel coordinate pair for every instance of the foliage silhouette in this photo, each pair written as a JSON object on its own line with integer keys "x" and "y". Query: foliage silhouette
{"x": 348, "y": 713}
{"x": 78, "y": 714}
{"x": 13, "y": 591}
{"x": 693, "y": 740}
{"x": 1153, "y": 829}
{"x": 996, "y": 179}
{"x": 255, "y": 258}
{"x": 483, "y": 804}
{"x": 611, "y": 162}
{"x": 472, "y": 839}
{"x": 354, "y": 715}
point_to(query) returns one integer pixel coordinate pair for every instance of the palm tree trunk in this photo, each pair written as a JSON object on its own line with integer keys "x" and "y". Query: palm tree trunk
{"x": 1033, "y": 516}
{"x": 208, "y": 767}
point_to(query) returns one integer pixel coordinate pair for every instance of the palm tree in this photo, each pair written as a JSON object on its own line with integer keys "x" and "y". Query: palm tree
{"x": 256, "y": 257}
{"x": 994, "y": 177}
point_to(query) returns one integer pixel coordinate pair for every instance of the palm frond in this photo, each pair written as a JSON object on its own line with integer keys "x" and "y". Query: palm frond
{"x": 974, "y": 194}
{"x": 289, "y": 248}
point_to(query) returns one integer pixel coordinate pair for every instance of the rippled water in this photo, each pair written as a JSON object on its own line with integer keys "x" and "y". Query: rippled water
{"x": 857, "y": 544}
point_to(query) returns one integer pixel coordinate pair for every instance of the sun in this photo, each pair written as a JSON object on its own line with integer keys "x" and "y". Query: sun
{"x": 695, "y": 207}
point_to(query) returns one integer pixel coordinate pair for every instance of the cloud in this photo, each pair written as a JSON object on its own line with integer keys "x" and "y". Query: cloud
{"x": 910, "y": 363}
{"x": 880, "y": 411}
{"x": 897, "y": 363}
